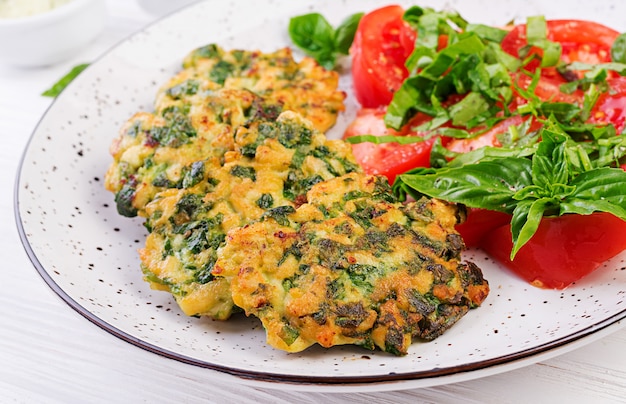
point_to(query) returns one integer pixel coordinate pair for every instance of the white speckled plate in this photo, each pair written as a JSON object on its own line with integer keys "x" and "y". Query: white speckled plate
{"x": 87, "y": 253}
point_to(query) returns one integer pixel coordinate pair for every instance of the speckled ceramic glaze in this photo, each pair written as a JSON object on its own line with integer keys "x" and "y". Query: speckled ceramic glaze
{"x": 88, "y": 254}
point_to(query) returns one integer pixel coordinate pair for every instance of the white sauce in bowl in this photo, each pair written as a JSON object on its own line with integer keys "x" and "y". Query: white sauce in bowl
{"x": 25, "y": 8}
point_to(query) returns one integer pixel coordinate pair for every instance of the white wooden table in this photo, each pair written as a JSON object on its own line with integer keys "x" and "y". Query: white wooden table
{"x": 49, "y": 353}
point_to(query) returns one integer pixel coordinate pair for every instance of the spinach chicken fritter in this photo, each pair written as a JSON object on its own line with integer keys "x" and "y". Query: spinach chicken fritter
{"x": 251, "y": 208}
{"x": 268, "y": 174}
{"x": 199, "y": 110}
{"x": 353, "y": 266}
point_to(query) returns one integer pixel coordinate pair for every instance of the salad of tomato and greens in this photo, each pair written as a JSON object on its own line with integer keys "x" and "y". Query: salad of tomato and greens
{"x": 522, "y": 124}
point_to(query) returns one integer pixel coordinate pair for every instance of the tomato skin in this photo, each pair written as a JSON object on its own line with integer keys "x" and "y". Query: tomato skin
{"x": 388, "y": 159}
{"x": 382, "y": 42}
{"x": 563, "y": 250}
{"x": 479, "y": 223}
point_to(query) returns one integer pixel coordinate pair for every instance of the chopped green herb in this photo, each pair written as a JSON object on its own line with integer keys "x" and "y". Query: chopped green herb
{"x": 60, "y": 85}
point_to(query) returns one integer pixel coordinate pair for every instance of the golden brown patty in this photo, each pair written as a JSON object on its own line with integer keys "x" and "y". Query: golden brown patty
{"x": 352, "y": 266}
{"x": 198, "y": 112}
{"x": 272, "y": 167}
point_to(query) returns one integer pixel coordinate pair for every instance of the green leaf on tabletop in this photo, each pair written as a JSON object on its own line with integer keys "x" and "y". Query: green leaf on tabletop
{"x": 60, "y": 85}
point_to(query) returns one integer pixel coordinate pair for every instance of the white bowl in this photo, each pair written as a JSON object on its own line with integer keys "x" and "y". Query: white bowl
{"x": 53, "y": 36}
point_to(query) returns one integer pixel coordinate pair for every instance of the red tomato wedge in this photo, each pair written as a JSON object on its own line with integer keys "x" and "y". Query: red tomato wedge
{"x": 383, "y": 41}
{"x": 479, "y": 223}
{"x": 581, "y": 41}
{"x": 611, "y": 106}
{"x": 563, "y": 250}
{"x": 388, "y": 159}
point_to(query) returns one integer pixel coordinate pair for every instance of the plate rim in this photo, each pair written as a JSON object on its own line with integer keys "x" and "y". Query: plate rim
{"x": 389, "y": 381}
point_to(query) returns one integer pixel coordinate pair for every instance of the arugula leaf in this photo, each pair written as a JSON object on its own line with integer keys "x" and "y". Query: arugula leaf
{"x": 60, "y": 85}
{"x": 317, "y": 38}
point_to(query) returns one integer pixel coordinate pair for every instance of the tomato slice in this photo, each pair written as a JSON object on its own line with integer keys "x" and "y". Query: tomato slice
{"x": 582, "y": 41}
{"x": 382, "y": 42}
{"x": 611, "y": 106}
{"x": 479, "y": 223}
{"x": 563, "y": 250}
{"x": 388, "y": 159}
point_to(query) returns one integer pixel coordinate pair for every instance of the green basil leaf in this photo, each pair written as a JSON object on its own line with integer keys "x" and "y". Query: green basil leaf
{"x": 344, "y": 34}
{"x": 419, "y": 58}
{"x": 487, "y": 184}
{"x": 384, "y": 139}
{"x": 510, "y": 62}
{"x": 60, "y": 85}
{"x": 403, "y": 104}
{"x": 466, "y": 45}
{"x": 311, "y": 32}
{"x": 592, "y": 69}
{"x": 562, "y": 111}
{"x": 536, "y": 29}
{"x": 525, "y": 221}
{"x": 428, "y": 31}
{"x": 327, "y": 59}
{"x": 401, "y": 189}
{"x": 601, "y": 184}
{"x": 489, "y": 153}
{"x": 487, "y": 32}
{"x": 537, "y": 34}
{"x": 417, "y": 93}
{"x": 549, "y": 165}
{"x": 412, "y": 14}
{"x": 587, "y": 207}
{"x": 618, "y": 49}
{"x": 466, "y": 109}
{"x": 551, "y": 53}
{"x": 315, "y": 36}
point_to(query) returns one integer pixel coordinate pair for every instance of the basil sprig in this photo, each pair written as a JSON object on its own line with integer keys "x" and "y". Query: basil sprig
{"x": 560, "y": 177}
{"x": 317, "y": 38}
